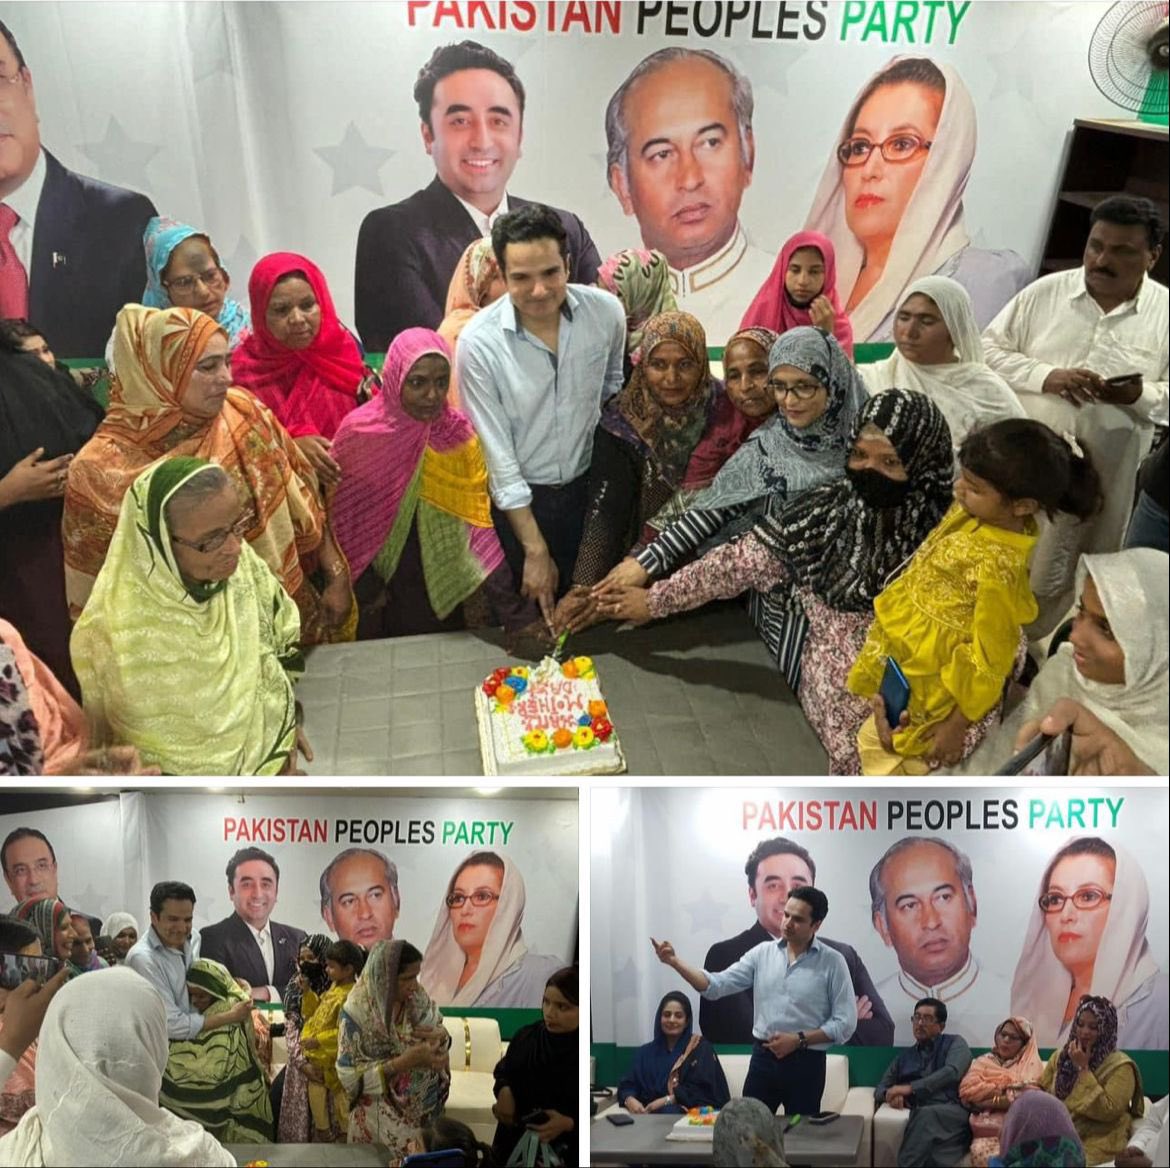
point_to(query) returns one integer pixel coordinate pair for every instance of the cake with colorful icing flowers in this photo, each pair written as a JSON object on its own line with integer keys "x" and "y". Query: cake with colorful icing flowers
{"x": 550, "y": 719}
{"x": 697, "y": 1125}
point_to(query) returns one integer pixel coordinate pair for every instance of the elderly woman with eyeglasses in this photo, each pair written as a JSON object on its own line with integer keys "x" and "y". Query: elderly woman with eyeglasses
{"x": 891, "y": 199}
{"x": 174, "y": 395}
{"x": 1087, "y": 935}
{"x": 994, "y": 1081}
{"x": 188, "y": 647}
{"x": 477, "y": 955}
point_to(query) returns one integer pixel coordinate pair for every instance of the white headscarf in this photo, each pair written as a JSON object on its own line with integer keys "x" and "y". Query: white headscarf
{"x": 503, "y": 946}
{"x": 1134, "y": 587}
{"x": 969, "y": 393}
{"x": 118, "y": 921}
{"x": 1041, "y": 984}
{"x": 100, "y": 1059}
{"x": 931, "y": 230}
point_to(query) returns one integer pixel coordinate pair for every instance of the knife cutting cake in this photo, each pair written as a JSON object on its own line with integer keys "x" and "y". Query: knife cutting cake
{"x": 550, "y": 719}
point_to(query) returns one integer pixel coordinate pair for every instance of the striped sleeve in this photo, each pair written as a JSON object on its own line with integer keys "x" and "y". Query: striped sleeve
{"x": 685, "y": 535}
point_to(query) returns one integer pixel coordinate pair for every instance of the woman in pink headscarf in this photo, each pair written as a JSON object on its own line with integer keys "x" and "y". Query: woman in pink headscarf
{"x": 802, "y": 290}
{"x": 412, "y": 512}
{"x": 299, "y": 359}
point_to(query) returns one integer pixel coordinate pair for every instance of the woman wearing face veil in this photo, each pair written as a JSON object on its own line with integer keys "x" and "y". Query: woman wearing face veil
{"x": 477, "y": 955}
{"x": 678, "y": 1070}
{"x": 891, "y": 199}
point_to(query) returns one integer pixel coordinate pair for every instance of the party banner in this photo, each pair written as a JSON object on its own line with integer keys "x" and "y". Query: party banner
{"x": 1010, "y": 902}
{"x": 919, "y": 137}
{"x": 486, "y": 889}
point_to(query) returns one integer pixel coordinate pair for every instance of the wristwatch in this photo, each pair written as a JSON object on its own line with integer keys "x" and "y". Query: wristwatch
{"x": 802, "y": 1040}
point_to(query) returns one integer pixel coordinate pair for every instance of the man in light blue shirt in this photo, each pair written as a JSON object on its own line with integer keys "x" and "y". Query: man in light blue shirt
{"x": 533, "y": 369}
{"x": 165, "y": 953}
{"x": 804, "y": 1004}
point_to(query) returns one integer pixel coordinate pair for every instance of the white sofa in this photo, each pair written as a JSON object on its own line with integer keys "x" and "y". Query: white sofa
{"x": 837, "y": 1096}
{"x": 475, "y": 1050}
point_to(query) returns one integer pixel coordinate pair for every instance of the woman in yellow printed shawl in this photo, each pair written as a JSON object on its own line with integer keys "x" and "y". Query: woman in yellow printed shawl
{"x": 187, "y": 648}
{"x": 216, "y": 1079}
{"x": 411, "y": 513}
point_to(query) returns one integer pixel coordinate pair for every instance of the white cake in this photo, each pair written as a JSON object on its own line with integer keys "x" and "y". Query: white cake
{"x": 696, "y": 1127}
{"x": 548, "y": 720}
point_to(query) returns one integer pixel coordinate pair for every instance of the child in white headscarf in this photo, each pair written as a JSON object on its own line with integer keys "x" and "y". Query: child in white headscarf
{"x": 1133, "y": 592}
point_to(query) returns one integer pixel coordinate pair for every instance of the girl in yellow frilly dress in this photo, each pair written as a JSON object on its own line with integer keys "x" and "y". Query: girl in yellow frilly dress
{"x": 953, "y": 619}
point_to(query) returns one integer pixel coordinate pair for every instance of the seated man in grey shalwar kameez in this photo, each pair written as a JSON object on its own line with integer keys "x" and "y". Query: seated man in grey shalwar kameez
{"x": 925, "y": 1079}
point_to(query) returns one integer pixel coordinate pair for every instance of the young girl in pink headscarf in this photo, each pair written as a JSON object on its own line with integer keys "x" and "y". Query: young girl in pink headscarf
{"x": 802, "y": 290}
{"x": 412, "y": 512}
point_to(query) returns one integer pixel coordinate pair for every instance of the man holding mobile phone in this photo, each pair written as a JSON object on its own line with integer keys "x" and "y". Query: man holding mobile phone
{"x": 1086, "y": 350}
{"x": 803, "y": 998}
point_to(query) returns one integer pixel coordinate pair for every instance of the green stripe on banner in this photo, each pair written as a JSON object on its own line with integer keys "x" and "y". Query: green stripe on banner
{"x": 862, "y": 355}
{"x": 868, "y": 1063}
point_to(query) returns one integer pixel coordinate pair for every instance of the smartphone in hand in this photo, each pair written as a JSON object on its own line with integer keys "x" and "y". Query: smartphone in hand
{"x": 895, "y": 691}
{"x": 16, "y": 968}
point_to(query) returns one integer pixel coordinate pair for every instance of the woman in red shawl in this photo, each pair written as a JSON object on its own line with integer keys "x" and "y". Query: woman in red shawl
{"x": 299, "y": 359}
{"x": 802, "y": 290}
{"x": 412, "y": 513}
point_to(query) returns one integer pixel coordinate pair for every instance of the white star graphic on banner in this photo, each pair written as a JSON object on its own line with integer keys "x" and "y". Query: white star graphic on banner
{"x": 207, "y": 28}
{"x": 766, "y": 63}
{"x": 355, "y": 163}
{"x": 119, "y": 158}
{"x": 625, "y": 982}
{"x": 240, "y": 264}
{"x": 706, "y": 913}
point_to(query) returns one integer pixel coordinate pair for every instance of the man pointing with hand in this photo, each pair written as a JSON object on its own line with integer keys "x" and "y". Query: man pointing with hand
{"x": 804, "y": 1004}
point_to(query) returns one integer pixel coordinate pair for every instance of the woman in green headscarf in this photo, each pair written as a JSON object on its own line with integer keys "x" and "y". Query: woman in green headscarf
{"x": 187, "y": 648}
{"x": 216, "y": 1079}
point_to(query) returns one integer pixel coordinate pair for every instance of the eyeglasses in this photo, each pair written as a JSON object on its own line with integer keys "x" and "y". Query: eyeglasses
{"x": 1083, "y": 898}
{"x": 801, "y": 390}
{"x": 900, "y": 148}
{"x": 924, "y": 1018}
{"x": 1009, "y": 1035}
{"x": 212, "y": 279}
{"x": 214, "y": 542}
{"x": 481, "y": 898}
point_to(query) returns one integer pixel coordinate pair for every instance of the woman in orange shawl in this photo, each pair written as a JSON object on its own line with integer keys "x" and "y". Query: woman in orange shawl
{"x": 993, "y": 1082}
{"x": 477, "y": 282}
{"x": 172, "y": 395}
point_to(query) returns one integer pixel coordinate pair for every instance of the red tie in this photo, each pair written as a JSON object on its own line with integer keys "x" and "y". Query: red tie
{"x": 13, "y": 277}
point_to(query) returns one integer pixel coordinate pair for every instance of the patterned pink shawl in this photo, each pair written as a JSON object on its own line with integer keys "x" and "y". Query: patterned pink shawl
{"x": 379, "y": 446}
{"x": 772, "y": 308}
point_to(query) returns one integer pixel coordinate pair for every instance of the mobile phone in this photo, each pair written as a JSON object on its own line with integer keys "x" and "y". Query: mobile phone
{"x": 820, "y": 1118}
{"x": 895, "y": 692}
{"x": 1124, "y": 379}
{"x": 443, "y": 1158}
{"x": 1043, "y": 755}
{"x": 19, "y": 967}
{"x": 535, "y": 1119}
{"x": 620, "y": 1119}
